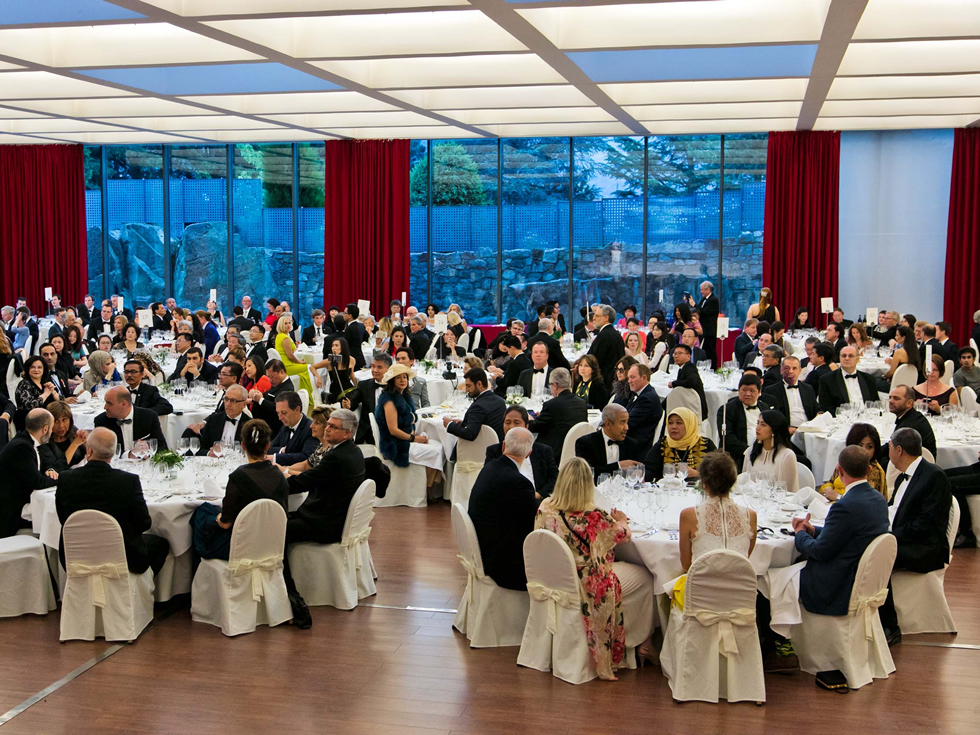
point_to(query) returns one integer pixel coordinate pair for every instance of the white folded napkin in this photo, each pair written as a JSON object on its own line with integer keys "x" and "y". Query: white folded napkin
{"x": 818, "y": 508}
{"x": 83, "y": 397}
{"x": 805, "y": 495}
{"x": 212, "y": 489}
{"x": 821, "y": 423}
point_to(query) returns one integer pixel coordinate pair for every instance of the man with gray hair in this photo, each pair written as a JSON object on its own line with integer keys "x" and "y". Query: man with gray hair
{"x": 502, "y": 508}
{"x": 420, "y": 338}
{"x": 224, "y": 426}
{"x": 708, "y": 309}
{"x": 609, "y": 449}
{"x": 772, "y": 357}
{"x": 607, "y": 347}
{"x": 20, "y": 470}
{"x": 559, "y": 414}
{"x": 98, "y": 486}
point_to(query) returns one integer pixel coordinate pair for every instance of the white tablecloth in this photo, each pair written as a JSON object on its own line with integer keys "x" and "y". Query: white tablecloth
{"x": 185, "y": 413}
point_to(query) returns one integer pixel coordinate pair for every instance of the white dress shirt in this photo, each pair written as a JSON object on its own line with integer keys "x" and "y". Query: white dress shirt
{"x": 527, "y": 470}
{"x": 228, "y": 432}
{"x": 751, "y": 420}
{"x": 612, "y": 450}
{"x": 37, "y": 455}
{"x": 539, "y": 383}
{"x": 853, "y": 386}
{"x": 127, "y": 431}
{"x": 797, "y": 416}
{"x": 900, "y": 494}
{"x": 292, "y": 430}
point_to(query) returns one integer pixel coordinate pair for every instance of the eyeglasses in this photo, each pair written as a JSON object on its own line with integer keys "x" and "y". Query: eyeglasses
{"x": 336, "y": 427}
{"x": 132, "y": 372}
{"x": 235, "y": 400}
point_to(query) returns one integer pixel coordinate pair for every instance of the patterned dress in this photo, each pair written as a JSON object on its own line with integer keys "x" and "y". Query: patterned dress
{"x": 592, "y": 536}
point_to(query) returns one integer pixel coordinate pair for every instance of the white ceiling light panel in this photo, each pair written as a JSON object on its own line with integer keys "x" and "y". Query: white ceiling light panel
{"x": 911, "y": 57}
{"x": 563, "y": 95}
{"x": 413, "y": 132}
{"x": 452, "y": 71}
{"x": 918, "y": 19}
{"x": 292, "y": 103}
{"x": 354, "y": 119}
{"x": 698, "y": 127}
{"x": 893, "y": 123}
{"x": 197, "y": 122}
{"x": 736, "y": 90}
{"x": 35, "y": 85}
{"x": 922, "y": 106}
{"x": 734, "y": 110}
{"x": 948, "y": 85}
{"x": 121, "y": 107}
{"x": 205, "y": 8}
{"x": 529, "y": 115}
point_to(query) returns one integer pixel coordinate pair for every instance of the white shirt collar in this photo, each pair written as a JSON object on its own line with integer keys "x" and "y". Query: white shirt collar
{"x": 132, "y": 410}
{"x": 37, "y": 444}
{"x": 855, "y": 484}
{"x": 910, "y": 470}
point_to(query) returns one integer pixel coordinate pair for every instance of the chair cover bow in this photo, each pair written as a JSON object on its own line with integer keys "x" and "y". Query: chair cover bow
{"x": 98, "y": 573}
{"x": 725, "y": 622}
{"x": 868, "y": 606}
{"x": 240, "y": 567}
{"x": 540, "y": 593}
{"x": 354, "y": 542}
{"x": 473, "y": 574}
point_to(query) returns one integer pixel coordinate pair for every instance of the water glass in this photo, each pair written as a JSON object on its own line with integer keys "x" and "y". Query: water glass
{"x": 195, "y": 444}
{"x": 183, "y": 446}
{"x": 682, "y": 471}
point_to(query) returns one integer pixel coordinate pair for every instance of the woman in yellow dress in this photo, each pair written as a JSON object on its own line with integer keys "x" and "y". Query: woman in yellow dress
{"x": 287, "y": 351}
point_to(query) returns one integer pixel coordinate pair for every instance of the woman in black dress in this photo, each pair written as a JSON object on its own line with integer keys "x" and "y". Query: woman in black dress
{"x": 66, "y": 447}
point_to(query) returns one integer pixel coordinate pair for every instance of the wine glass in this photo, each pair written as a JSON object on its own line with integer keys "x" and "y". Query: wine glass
{"x": 682, "y": 471}
{"x": 662, "y": 499}
{"x": 218, "y": 449}
{"x": 152, "y": 445}
{"x": 183, "y": 446}
{"x": 643, "y": 503}
{"x": 670, "y": 471}
{"x": 195, "y": 444}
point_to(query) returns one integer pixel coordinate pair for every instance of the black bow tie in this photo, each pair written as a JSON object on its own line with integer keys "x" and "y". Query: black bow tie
{"x": 539, "y": 370}
{"x": 902, "y": 477}
{"x": 852, "y": 375}
{"x": 610, "y": 442}
{"x": 124, "y": 421}
{"x": 792, "y": 387}
{"x": 228, "y": 418}
{"x": 753, "y": 407}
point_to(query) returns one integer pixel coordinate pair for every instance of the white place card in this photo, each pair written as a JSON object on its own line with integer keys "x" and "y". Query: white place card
{"x": 48, "y": 293}
{"x": 214, "y": 295}
{"x": 122, "y": 304}
{"x": 364, "y": 307}
{"x": 144, "y": 317}
{"x": 723, "y": 327}
{"x": 871, "y": 315}
{"x": 827, "y": 305}
{"x": 404, "y": 298}
{"x": 442, "y": 323}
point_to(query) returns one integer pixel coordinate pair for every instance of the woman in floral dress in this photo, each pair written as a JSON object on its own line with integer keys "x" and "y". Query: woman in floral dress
{"x": 607, "y": 587}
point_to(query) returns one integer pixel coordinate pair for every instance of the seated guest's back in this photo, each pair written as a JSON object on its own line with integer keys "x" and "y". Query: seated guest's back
{"x": 502, "y": 507}
{"x": 20, "y": 470}
{"x": 540, "y": 466}
{"x": 559, "y": 414}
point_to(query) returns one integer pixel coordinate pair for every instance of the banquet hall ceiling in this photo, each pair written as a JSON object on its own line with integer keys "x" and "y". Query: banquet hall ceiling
{"x": 143, "y": 71}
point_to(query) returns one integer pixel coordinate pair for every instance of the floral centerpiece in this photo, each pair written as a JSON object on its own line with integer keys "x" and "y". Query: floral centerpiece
{"x": 169, "y": 460}
{"x": 427, "y": 365}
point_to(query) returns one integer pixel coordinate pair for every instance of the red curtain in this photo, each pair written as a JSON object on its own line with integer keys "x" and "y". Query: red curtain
{"x": 366, "y": 233}
{"x": 962, "y": 293}
{"x": 799, "y": 261}
{"x": 42, "y": 224}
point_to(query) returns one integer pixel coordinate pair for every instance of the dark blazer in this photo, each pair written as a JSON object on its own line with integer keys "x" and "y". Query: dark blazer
{"x": 771, "y": 377}
{"x": 420, "y": 342}
{"x": 839, "y": 345}
{"x": 598, "y": 395}
{"x": 608, "y": 348}
{"x": 948, "y": 351}
{"x": 557, "y": 416}
{"x": 813, "y": 378}
{"x": 95, "y": 327}
{"x": 591, "y": 448}
{"x": 488, "y": 409}
{"x": 19, "y": 477}
{"x": 309, "y": 333}
{"x": 743, "y": 346}
{"x": 208, "y": 374}
{"x": 502, "y": 508}
{"x": 253, "y": 315}
{"x": 60, "y": 381}
{"x": 885, "y": 335}
{"x": 833, "y": 392}
{"x": 97, "y": 486}
{"x": 148, "y": 396}
{"x": 363, "y": 396}
{"x": 735, "y": 437}
{"x": 526, "y": 378}
{"x": 833, "y": 554}
{"x": 356, "y": 335}
{"x": 778, "y": 398}
{"x": 257, "y": 349}
{"x": 512, "y": 373}
{"x": 86, "y": 314}
{"x": 267, "y": 482}
{"x": 555, "y": 357}
{"x": 267, "y": 409}
{"x": 297, "y": 445}
{"x": 163, "y": 323}
{"x": 709, "y": 309}
{"x": 937, "y": 349}
{"x": 214, "y": 427}
{"x": 146, "y": 423}
{"x": 688, "y": 377}
{"x": 912, "y": 419}
{"x": 645, "y": 411}
{"x": 543, "y": 466}
{"x": 331, "y": 486}
{"x": 921, "y": 520}
{"x": 243, "y": 323}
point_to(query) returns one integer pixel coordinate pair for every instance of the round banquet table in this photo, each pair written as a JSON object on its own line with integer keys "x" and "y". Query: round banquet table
{"x": 186, "y": 412}
{"x": 439, "y": 389}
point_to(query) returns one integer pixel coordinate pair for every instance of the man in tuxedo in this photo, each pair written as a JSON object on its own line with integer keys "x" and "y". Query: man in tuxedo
{"x": 690, "y": 338}
{"x": 99, "y": 322}
{"x": 754, "y": 357}
{"x": 535, "y": 380}
{"x": 331, "y": 486}
{"x": 585, "y": 328}
{"x": 20, "y": 470}
{"x": 808, "y": 344}
{"x": 838, "y": 318}
{"x": 229, "y": 374}
{"x": 511, "y": 374}
{"x": 248, "y": 312}
{"x": 241, "y": 322}
{"x": 225, "y": 424}
{"x": 965, "y": 482}
{"x": 737, "y": 418}
{"x": 87, "y": 309}
{"x": 919, "y": 514}
{"x": 129, "y": 423}
{"x": 610, "y": 449}
{"x": 545, "y": 336}
{"x": 365, "y": 396}
{"x": 772, "y": 358}
{"x": 295, "y": 441}
{"x": 643, "y": 406}
{"x": 196, "y": 368}
{"x": 745, "y": 342}
{"x": 709, "y": 308}
{"x": 835, "y": 338}
{"x": 264, "y": 404}
{"x": 884, "y": 331}
{"x": 846, "y": 385}
{"x": 417, "y": 387}
{"x": 487, "y": 409}
{"x": 420, "y": 338}
{"x": 255, "y": 347}
{"x": 947, "y": 348}
{"x": 97, "y": 486}
{"x": 607, "y": 347}
{"x": 539, "y": 467}
{"x": 58, "y": 323}
{"x": 502, "y": 508}
{"x": 792, "y": 398}
{"x": 145, "y": 395}
{"x": 557, "y": 318}
{"x": 821, "y": 358}
{"x": 116, "y": 311}
{"x": 688, "y": 376}
{"x": 162, "y": 320}
{"x": 559, "y": 414}
{"x": 60, "y": 381}
{"x": 354, "y": 333}
{"x": 316, "y": 330}
{"x": 929, "y": 340}
{"x": 182, "y": 344}
{"x": 901, "y": 400}
{"x": 834, "y": 551}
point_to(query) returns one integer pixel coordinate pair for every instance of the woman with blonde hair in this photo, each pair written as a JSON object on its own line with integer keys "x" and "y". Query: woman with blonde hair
{"x": 764, "y": 310}
{"x": 287, "y": 351}
{"x": 617, "y": 597}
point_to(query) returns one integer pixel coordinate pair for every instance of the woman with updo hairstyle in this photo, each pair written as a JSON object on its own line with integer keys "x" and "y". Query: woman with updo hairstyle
{"x": 256, "y": 480}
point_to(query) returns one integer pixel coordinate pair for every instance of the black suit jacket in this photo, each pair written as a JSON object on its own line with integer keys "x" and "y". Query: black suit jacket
{"x": 254, "y": 316}
{"x": 266, "y": 410}
{"x": 146, "y": 423}
{"x": 735, "y": 435}
{"x": 257, "y": 349}
{"x": 709, "y": 309}
{"x": 512, "y": 373}
{"x": 543, "y": 466}
{"x": 208, "y": 373}
{"x": 420, "y": 341}
{"x": 645, "y": 412}
{"x": 688, "y": 377}
{"x": 298, "y": 446}
{"x": 97, "y": 486}
{"x": 778, "y": 398}
{"x": 948, "y": 351}
{"x": 148, "y": 396}
{"x": 502, "y": 508}
{"x": 95, "y": 327}
{"x": 86, "y": 314}
{"x": 214, "y": 427}
{"x": 363, "y": 396}
{"x": 592, "y": 449}
{"x": 331, "y": 486}
{"x": 833, "y": 392}
{"x": 912, "y": 419}
{"x": 839, "y": 345}
{"x": 526, "y": 378}
{"x": 555, "y": 357}
{"x": 608, "y": 348}
{"x": 743, "y": 346}
{"x": 921, "y": 520}
{"x": 771, "y": 377}
{"x": 309, "y": 334}
{"x": 598, "y": 395}
{"x": 19, "y": 477}
{"x": 813, "y": 378}
{"x": 557, "y": 416}
{"x": 487, "y": 409}
{"x": 60, "y": 381}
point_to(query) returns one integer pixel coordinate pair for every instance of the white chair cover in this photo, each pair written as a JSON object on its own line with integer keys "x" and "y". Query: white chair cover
{"x": 102, "y": 597}
{"x": 304, "y": 397}
{"x": 12, "y": 381}
{"x": 711, "y": 650}
{"x": 574, "y": 434}
{"x": 905, "y": 375}
{"x": 948, "y": 373}
{"x": 464, "y": 342}
{"x": 328, "y": 574}
{"x": 248, "y": 589}
{"x": 968, "y": 399}
{"x": 175, "y": 576}
{"x": 489, "y": 616}
{"x": 25, "y": 583}
{"x": 470, "y": 458}
{"x": 920, "y": 599}
{"x": 973, "y": 344}
{"x": 407, "y": 485}
{"x": 684, "y": 397}
{"x": 854, "y": 643}
{"x": 805, "y": 476}
{"x": 973, "y": 503}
